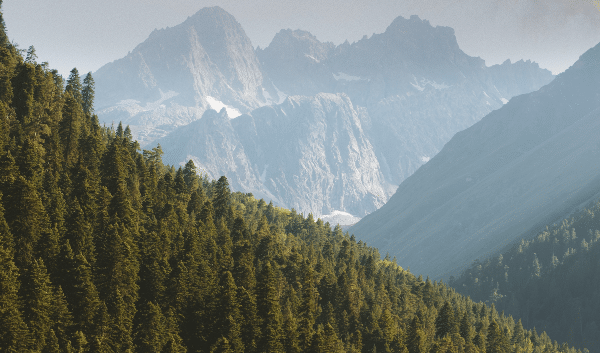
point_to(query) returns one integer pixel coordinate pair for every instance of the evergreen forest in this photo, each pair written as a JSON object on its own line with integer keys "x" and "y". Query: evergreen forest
{"x": 103, "y": 248}
{"x": 550, "y": 281}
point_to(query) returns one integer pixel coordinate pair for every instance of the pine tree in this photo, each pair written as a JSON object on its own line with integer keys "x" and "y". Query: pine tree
{"x": 87, "y": 94}
{"x": 14, "y": 335}
{"x": 61, "y": 318}
{"x": 37, "y": 295}
{"x": 444, "y": 322}
{"x": 416, "y": 339}
{"x": 308, "y": 307}
{"x": 85, "y": 299}
{"x": 270, "y": 311}
{"x": 221, "y": 198}
{"x": 70, "y": 128}
{"x": 496, "y": 339}
{"x": 74, "y": 86}
{"x": 290, "y": 331}
{"x": 250, "y": 322}
{"x": 27, "y": 220}
{"x": 227, "y": 310}
{"x": 150, "y": 335}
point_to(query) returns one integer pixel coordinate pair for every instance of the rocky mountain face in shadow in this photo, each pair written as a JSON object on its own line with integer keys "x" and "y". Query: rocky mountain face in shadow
{"x": 523, "y": 166}
{"x": 321, "y": 128}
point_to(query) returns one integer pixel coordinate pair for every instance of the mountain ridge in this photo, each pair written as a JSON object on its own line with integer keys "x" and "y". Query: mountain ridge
{"x": 408, "y": 108}
{"x": 513, "y": 152}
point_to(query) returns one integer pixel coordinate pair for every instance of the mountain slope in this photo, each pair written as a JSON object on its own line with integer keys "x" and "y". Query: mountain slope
{"x": 550, "y": 281}
{"x": 308, "y": 153}
{"x": 166, "y": 79}
{"x": 411, "y": 87}
{"x": 521, "y": 166}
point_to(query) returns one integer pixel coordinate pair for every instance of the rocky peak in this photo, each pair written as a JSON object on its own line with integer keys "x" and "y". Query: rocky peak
{"x": 301, "y": 43}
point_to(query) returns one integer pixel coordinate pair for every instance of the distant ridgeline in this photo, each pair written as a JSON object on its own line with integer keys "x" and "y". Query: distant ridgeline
{"x": 551, "y": 282}
{"x": 105, "y": 249}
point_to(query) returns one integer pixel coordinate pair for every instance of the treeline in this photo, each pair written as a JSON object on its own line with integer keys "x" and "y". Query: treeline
{"x": 105, "y": 249}
{"x": 552, "y": 281}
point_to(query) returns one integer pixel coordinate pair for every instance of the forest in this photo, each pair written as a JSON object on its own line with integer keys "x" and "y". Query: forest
{"x": 103, "y": 248}
{"x": 550, "y": 281}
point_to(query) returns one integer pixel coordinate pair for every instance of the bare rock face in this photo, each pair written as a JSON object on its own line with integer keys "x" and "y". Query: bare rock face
{"x": 417, "y": 86}
{"x": 297, "y": 63}
{"x": 165, "y": 81}
{"x": 329, "y": 130}
{"x": 523, "y": 166}
{"x": 308, "y": 153}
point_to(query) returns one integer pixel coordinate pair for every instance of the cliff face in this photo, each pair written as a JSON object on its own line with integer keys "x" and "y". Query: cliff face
{"x": 353, "y": 120}
{"x": 165, "y": 81}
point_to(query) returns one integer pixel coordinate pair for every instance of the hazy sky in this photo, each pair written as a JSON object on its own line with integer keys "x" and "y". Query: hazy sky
{"x": 89, "y": 33}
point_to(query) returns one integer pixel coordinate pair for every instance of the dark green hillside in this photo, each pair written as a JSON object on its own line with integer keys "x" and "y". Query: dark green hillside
{"x": 552, "y": 282}
{"x": 105, "y": 249}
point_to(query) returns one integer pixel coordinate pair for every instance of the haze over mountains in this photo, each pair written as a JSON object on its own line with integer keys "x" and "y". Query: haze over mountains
{"x": 358, "y": 118}
{"x": 521, "y": 167}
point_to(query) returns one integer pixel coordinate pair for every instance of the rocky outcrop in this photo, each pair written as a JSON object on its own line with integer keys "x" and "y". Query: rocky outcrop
{"x": 359, "y": 118}
{"x": 165, "y": 81}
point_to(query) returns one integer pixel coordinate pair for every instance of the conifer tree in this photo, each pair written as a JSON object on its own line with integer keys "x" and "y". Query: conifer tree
{"x": 444, "y": 322}
{"x": 74, "y": 86}
{"x": 85, "y": 299}
{"x": 290, "y": 331}
{"x": 416, "y": 337}
{"x": 27, "y": 220}
{"x": 307, "y": 307}
{"x": 61, "y": 318}
{"x": 6, "y": 239}
{"x": 70, "y": 128}
{"x": 496, "y": 339}
{"x": 87, "y": 94}
{"x": 270, "y": 311}
{"x": 151, "y": 336}
{"x": 250, "y": 322}
{"x": 227, "y": 311}
{"x": 14, "y": 334}
{"x": 52, "y": 345}
{"x": 37, "y": 295}
{"x": 221, "y": 198}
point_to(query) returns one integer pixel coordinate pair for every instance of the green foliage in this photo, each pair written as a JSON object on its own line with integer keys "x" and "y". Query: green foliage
{"x": 549, "y": 281}
{"x": 106, "y": 249}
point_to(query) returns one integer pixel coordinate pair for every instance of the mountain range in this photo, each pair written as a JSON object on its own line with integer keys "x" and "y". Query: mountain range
{"x": 525, "y": 165}
{"x": 354, "y": 120}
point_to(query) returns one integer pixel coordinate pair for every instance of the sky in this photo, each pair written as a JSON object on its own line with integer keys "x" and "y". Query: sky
{"x": 88, "y": 33}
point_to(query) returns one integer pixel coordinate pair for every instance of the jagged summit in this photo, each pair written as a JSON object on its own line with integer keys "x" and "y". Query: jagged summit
{"x": 171, "y": 78}
{"x": 411, "y": 89}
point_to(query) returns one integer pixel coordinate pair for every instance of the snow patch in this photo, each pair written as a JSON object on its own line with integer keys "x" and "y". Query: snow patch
{"x": 340, "y": 217}
{"x": 425, "y": 159}
{"x": 504, "y": 100}
{"x": 312, "y": 57}
{"x": 423, "y": 82}
{"x": 218, "y": 105}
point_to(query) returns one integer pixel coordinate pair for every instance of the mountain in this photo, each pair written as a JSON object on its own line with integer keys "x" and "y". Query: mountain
{"x": 519, "y": 168}
{"x": 411, "y": 87}
{"x": 309, "y": 153}
{"x": 550, "y": 281}
{"x": 177, "y": 73}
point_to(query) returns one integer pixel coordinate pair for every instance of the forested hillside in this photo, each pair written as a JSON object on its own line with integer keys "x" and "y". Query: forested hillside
{"x": 105, "y": 249}
{"x": 550, "y": 282}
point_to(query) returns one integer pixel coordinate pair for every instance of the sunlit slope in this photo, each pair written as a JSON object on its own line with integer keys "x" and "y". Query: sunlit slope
{"x": 521, "y": 166}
